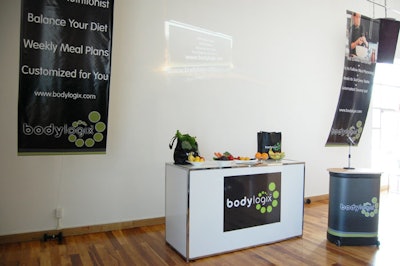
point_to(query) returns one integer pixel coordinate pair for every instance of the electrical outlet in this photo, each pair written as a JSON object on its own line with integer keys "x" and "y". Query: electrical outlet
{"x": 59, "y": 212}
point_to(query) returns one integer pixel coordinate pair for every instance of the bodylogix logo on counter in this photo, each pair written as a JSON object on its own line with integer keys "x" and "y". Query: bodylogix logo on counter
{"x": 263, "y": 201}
{"x": 368, "y": 209}
{"x": 251, "y": 200}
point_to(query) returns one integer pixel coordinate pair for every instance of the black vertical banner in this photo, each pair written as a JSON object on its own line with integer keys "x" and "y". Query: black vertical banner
{"x": 65, "y": 67}
{"x": 358, "y": 78}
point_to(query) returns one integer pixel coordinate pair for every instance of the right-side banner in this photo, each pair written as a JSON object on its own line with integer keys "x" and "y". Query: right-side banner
{"x": 358, "y": 76}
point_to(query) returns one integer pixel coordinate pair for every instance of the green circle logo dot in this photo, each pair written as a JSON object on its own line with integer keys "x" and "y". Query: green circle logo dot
{"x": 94, "y": 116}
{"x": 89, "y": 142}
{"x": 71, "y": 138}
{"x": 98, "y": 137}
{"x": 272, "y": 186}
{"x": 100, "y": 127}
{"x": 79, "y": 143}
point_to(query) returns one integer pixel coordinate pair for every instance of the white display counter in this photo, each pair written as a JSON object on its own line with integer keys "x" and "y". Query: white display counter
{"x": 211, "y": 210}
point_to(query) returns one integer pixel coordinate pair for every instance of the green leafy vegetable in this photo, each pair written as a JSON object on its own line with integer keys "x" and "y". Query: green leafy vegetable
{"x": 188, "y": 142}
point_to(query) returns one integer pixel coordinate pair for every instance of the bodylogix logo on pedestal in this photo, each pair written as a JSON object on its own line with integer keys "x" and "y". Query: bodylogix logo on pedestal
{"x": 368, "y": 209}
{"x": 81, "y": 133}
{"x": 251, "y": 200}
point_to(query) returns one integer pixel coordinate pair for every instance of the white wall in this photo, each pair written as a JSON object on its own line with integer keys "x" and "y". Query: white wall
{"x": 288, "y": 62}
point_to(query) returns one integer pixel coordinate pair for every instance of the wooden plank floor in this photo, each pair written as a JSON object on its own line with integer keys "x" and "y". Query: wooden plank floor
{"x": 146, "y": 246}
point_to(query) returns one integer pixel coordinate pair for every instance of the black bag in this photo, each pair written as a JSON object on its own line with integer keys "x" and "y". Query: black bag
{"x": 269, "y": 140}
{"x": 181, "y": 154}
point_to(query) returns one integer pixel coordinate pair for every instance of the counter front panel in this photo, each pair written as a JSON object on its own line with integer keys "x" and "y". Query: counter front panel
{"x": 210, "y": 211}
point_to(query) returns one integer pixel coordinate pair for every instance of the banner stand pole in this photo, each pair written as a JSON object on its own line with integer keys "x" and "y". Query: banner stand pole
{"x": 351, "y": 142}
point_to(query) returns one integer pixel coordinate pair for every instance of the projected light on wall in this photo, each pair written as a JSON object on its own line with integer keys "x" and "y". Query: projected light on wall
{"x": 194, "y": 49}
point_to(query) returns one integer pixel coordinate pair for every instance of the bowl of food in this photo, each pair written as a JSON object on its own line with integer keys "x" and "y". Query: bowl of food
{"x": 276, "y": 155}
{"x": 224, "y": 159}
{"x": 195, "y": 160}
{"x": 225, "y": 163}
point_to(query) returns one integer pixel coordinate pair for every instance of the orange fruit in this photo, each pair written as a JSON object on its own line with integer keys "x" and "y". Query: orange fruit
{"x": 258, "y": 155}
{"x": 264, "y": 156}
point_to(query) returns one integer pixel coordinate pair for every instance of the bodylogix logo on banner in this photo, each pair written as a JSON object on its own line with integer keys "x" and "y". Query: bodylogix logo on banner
{"x": 251, "y": 200}
{"x": 81, "y": 133}
{"x": 368, "y": 209}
